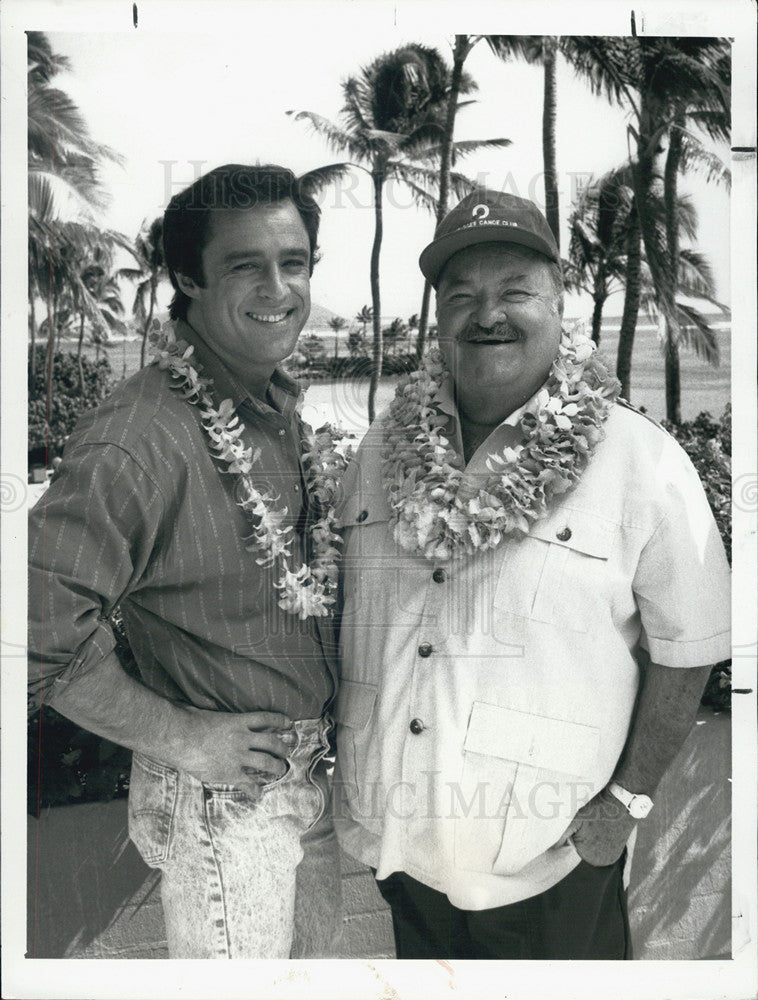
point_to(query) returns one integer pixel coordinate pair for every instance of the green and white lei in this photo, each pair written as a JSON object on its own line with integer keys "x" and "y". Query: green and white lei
{"x": 436, "y": 510}
{"x": 311, "y": 588}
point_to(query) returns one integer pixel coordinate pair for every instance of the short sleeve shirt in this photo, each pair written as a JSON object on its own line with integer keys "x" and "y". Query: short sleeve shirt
{"x": 484, "y": 700}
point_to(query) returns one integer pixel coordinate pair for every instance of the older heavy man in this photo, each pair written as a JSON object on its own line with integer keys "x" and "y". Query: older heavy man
{"x": 188, "y": 500}
{"x": 534, "y": 589}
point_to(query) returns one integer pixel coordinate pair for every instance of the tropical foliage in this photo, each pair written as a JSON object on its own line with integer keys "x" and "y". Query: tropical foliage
{"x": 391, "y": 126}
{"x": 678, "y": 91}
{"x": 77, "y": 384}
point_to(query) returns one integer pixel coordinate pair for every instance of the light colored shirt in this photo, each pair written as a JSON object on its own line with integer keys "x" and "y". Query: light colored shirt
{"x": 485, "y": 700}
{"x": 139, "y": 515}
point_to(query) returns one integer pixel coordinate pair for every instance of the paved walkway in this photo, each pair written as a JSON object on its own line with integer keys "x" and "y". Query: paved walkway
{"x": 91, "y": 895}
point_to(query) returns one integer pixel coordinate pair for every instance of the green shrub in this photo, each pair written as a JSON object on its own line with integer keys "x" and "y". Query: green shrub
{"x": 67, "y": 400}
{"x": 708, "y": 442}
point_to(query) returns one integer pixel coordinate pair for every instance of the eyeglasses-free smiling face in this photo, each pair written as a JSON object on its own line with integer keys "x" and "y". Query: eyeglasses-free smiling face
{"x": 256, "y": 297}
{"x": 498, "y": 321}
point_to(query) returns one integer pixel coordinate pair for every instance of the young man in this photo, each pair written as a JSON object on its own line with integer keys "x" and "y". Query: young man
{"x": 159, "y": 507}
{"x": 534, "y": 590}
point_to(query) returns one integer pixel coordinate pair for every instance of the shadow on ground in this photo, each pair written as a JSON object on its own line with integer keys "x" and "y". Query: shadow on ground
{"x": 91, "y": 896}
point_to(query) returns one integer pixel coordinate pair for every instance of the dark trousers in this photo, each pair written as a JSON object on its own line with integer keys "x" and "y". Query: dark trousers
{"x": 584, "y": 916}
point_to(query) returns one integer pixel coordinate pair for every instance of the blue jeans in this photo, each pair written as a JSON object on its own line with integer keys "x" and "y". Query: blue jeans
{"x": 243, "y": 876}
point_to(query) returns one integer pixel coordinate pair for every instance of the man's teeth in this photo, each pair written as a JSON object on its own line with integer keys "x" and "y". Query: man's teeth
{"x": 276, "y": 318}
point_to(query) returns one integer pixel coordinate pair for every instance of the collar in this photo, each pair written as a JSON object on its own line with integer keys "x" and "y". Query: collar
{"x": 445, "y": 400}
{"x": 282, "y": 394}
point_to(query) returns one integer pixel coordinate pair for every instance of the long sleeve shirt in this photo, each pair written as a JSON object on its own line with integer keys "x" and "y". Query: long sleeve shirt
{"x": 140, "y": 516}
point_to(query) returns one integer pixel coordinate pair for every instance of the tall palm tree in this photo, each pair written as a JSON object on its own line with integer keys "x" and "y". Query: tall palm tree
{"x": 390, "y": 121}
{"x": 598, "y": 233}
{"x": 150, "y": 271}
{"x": 666, "y": 82}
{"x": 462, "y": 46}
{"x": 541, "y": 50}
{"x": 600, "y": 227}
{"x": 63, "y": 183}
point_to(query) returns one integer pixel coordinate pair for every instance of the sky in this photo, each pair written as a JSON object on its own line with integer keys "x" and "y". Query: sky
{"x": 173, "y": 104}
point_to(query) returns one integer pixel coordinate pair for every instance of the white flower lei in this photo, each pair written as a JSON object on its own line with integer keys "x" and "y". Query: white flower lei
{"x": 310, "y": 589}
{"x": 435, "y": 512}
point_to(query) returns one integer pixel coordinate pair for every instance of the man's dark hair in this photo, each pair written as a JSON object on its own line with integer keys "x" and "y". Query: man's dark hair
{"x": 187, "y": 219}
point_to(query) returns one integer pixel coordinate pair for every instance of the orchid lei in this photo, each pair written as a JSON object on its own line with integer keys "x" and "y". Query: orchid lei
{"x": 437, "y": 512}
{"x": 310, "y": 589}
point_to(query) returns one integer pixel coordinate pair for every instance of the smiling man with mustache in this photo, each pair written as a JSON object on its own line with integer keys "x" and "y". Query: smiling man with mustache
{"x": 534, "y": 590}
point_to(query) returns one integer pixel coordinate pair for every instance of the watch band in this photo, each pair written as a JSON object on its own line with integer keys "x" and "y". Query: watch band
{"x": 638, "y": 806}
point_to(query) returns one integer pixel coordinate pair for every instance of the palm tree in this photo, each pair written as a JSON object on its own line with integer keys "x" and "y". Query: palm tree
{"x": 667, "y": 83}
{"x": 337, "y": 323}
{"x": 63, "y": 184}
{"x": 541, "y": 50}
{"x": 600, "y": 228}
{"x": 462, "y": 46}
{"x": 598, "y": 234}
{"x": 390, "y": 121}
{"x": 150, "y": 271}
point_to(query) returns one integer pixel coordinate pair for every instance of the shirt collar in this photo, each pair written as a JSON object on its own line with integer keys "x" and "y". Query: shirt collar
{"x": 445, "y": 400}
{"x": 283, "y": 391}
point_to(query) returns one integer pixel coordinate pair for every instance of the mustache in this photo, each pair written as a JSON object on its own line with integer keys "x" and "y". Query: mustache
{"x": 497, "y": 331}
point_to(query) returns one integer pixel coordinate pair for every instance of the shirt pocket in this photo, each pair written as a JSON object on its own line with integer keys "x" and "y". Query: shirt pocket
{"x": 352, "y": 712}
{"x": 152, "y": 804}
{"x": 522, "y": 778}
{"x": 558, "y": 573}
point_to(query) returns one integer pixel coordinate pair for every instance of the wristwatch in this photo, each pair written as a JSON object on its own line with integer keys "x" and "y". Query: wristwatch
{"x": 638, "y": 806}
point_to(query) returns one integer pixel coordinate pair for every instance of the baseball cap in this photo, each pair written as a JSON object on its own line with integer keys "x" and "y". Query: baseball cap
{"x": 487, "y": 217}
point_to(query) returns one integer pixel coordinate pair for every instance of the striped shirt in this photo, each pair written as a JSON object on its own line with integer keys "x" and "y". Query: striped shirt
{"x": 139, "y": 516}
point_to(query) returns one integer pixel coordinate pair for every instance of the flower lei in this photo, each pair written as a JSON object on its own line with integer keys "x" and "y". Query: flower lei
{"x": 310, "y": 589}
{"x": 436, "y": 511}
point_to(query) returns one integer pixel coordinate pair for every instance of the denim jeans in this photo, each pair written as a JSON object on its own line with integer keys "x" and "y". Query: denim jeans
{"x": 243, "y": 876}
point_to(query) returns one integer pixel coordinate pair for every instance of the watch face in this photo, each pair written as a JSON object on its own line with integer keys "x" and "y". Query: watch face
{"x": 640, "y": 806}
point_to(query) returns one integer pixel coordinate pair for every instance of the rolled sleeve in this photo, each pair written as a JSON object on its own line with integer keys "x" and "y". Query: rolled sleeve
{"x": 682, "y": 582}
{"x": 90, "y": 539}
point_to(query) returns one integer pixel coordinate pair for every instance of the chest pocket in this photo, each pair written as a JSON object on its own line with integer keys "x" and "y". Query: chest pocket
{"x": 558, "y": 574}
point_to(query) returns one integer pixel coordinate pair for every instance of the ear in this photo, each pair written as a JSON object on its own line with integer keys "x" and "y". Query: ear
{"x": 188, "y": 285}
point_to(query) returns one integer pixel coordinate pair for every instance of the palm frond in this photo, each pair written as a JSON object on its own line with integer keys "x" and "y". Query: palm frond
{"x": 314, "y": 181}
{"x": 337, "y": 139}
{"x": 696, "y": 157}
{"x": 695, "y": 332}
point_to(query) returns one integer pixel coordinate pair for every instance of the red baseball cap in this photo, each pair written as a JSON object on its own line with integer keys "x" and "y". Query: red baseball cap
{"x": 487, "y": 217}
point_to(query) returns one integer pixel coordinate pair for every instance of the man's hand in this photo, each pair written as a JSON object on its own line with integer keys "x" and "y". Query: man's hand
{"x": 600, "y": 830}
{"x": 242, "y": 749}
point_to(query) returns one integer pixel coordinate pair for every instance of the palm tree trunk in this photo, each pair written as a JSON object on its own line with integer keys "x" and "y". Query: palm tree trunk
{"x": 148, "y": 320}
{"x": 597, "y": 316}
{"x": 79, "y": 352}
{"x": 376, "y": 367}
{"x": 549, "y": 49}
{"x": 33, "y": 333}
{"x": 423, "y": 320}
{"x": 672, "y": 375}
{"x": 461, "y": 50}
{"x": 631, "y": 302}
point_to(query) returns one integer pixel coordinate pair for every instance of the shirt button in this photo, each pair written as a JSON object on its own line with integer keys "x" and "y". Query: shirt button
{"x": 417, "y": 726}
{"x": 563, "y": 535}
{"x": 362, "y": 516}
{"x": 438, "y": 575}
{"x": 425, "y": 649}
{"x": 282, "y": 432}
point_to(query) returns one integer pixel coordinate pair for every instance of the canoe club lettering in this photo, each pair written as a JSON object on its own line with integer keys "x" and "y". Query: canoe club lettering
{"x": 490, "y": 222}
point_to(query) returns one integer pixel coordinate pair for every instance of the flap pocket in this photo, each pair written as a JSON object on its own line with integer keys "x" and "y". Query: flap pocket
{"x": 355, "y": 703}
{"x": 545, "y": 743}
{"x": 576, "y": 529}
